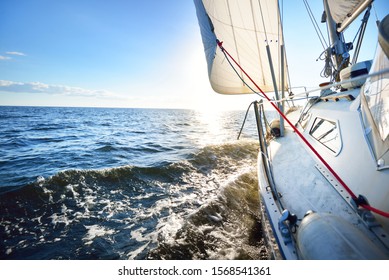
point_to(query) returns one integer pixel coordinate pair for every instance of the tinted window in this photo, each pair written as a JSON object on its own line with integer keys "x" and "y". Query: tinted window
{"x": 327, "y": 133}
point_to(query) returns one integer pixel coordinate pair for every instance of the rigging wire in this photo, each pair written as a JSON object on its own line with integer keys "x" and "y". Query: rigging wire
{"x": 315, "y": 25}
{"x": 376, "y": 16}
{"x": 361, "y": 33}
{"x": 356, "y": 34}
{"x": 263, "y": 22}
{"x": 244, "y": 120}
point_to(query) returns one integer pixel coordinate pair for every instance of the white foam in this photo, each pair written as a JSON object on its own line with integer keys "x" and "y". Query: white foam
{"x": 58, "y": 219}
{"x": 138, "y": 234}
{"x": 132, "y": 255}
{"x": 71, "y": 189}
{"x": 96, "y": 231}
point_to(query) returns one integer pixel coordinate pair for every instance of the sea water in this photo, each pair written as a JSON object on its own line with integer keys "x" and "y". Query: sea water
{"x": 104, "y": 183}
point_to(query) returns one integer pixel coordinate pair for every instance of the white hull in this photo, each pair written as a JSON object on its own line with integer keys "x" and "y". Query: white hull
{"x": 304, "y": 184}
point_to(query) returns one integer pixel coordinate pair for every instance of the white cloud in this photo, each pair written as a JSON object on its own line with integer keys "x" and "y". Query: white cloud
{"x": 10, "y": 54}
{"x": 16, "y": 53}
{"x": 4, "y": 83}
{"x": 38, "y": 87}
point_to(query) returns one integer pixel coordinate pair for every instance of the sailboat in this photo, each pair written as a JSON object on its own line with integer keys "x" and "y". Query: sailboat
{"x": 323, "y": 166}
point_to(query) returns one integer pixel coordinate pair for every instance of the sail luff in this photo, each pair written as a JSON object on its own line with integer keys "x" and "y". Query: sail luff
{"x": 207, "y": 34}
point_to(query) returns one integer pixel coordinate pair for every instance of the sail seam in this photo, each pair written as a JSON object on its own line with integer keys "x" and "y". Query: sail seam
{"x": 233, "y": 31}
{"x": 257, "y": 41}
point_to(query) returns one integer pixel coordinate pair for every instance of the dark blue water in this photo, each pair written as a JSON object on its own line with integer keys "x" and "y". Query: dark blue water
{"x": 95, "y": 183}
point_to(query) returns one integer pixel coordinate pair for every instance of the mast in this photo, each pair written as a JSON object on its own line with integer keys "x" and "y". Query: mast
{"x": 339, "y": 50}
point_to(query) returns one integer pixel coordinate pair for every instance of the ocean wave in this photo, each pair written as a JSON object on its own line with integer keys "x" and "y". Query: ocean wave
{"x": 227, "y": 226}
{"x": 106, "y": 148}
{"x": 203, "y": 207}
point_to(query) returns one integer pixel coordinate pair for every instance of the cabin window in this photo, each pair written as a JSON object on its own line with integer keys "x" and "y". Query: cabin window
{"x": 327, "y": 133}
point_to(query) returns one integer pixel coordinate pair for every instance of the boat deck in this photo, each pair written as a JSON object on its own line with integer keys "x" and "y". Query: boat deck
{"x": 304, "y": 184}
{"x": 300, "y": 183}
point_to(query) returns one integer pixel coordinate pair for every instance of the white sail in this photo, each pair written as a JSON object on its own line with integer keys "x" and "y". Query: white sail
{"x": 345, "y": 12}
{"x": 245, "y": 27}
{"x": 375, "y": 99}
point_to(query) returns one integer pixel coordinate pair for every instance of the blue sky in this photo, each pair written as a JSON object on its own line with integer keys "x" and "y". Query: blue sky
{"x": 125, "y": 53}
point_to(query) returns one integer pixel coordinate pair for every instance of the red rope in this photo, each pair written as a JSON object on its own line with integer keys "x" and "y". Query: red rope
{"x": 344, "y": 185}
